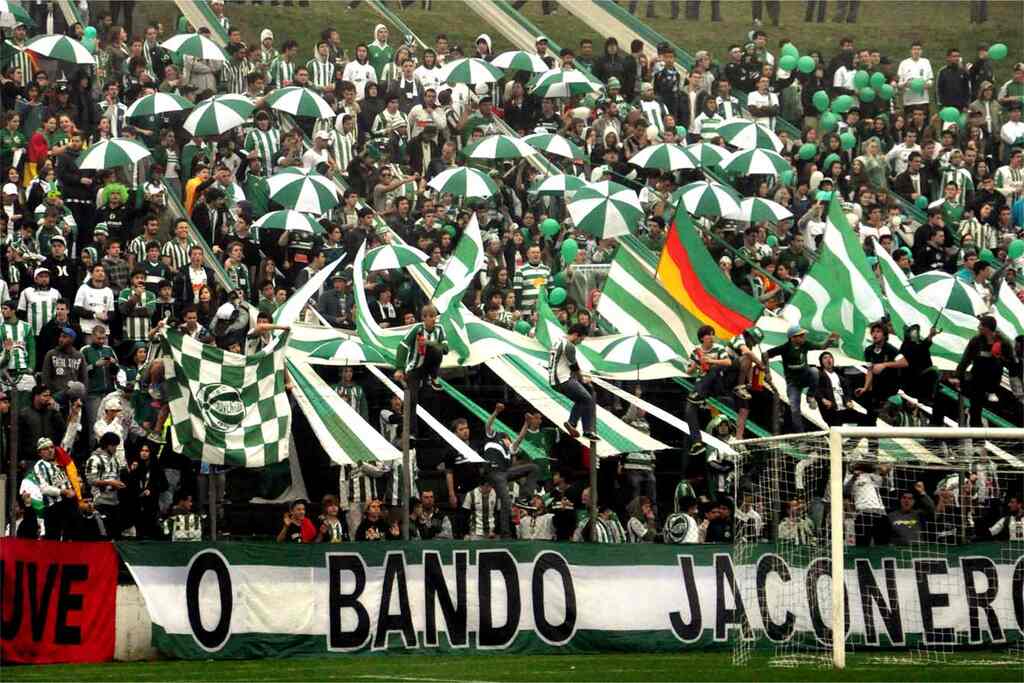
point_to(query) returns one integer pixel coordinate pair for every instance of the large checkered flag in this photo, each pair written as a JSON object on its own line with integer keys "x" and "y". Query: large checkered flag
{"x": 227, "y": 408}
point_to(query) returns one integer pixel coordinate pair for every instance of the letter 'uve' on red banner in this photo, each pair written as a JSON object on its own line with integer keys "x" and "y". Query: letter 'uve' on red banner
{"x": 58, "y": 601}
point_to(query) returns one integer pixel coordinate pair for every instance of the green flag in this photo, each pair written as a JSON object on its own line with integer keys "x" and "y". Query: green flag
{"x": 1009, "y": 312}
{"x": 465, "y": 262}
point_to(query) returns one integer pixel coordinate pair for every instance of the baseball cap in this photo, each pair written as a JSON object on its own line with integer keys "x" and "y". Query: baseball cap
{"x": 40, "y": 270}
{"x": 10, "y": 188}
{"x": 795, "y": 331}
{"x": 323, "y": 135}
{"x": 69, "y": 332}
{"x": 59, "y": 238}
{"x": 540, "y": 39}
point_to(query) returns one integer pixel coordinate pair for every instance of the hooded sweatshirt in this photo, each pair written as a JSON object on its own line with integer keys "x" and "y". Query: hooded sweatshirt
{"x": 487, "y": 39}
{"x": 380, "y": 52}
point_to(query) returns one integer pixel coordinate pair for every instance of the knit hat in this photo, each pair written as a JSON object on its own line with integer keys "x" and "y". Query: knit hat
{"x": 266, "y": 33}
{"x": 43, "y": 443}
{"x": 613, "y": 82}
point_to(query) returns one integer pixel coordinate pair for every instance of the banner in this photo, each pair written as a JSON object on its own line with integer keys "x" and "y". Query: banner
{"x": 241, "y": 600}
{"x": 58, "y": 601}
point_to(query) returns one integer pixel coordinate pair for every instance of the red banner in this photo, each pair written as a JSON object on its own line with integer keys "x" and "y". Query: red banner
{"x": 57, "y": 601}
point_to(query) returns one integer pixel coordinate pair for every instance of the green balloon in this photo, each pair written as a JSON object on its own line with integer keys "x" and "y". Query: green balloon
{"x": 877, "y": 80}
{"x": 807, "y": 151}
{"x": 922, "y": 202}
{"x": 917, "y": 85}
{"x": 829, "y": 121}
{"x": 1016, "y": 248}
{"x": 867, "y": 95}
{"x": 569, "y": 249}
{"x": 549, "y": 227}
{"x": 842, "y": 104}
{"x": 997, "y": 52}
{"x": 861, "y": 79}
{"x": 820, "y": 100}
{"x": 829, "y": 160}
{"x": 885, "y": 92}
{"x": 788, "y": 177}
{"x": 772, "y": 241}
{"x": 987, "y": 256}
{"x": 522, "y": 327}
{"x": 789, "y": 50}
{"x": 806, "y": 64}
{"x": 848, "y": 140}
{"x": 557, "y": 296}
{"x": 560, "y": 278}
{"x": 787, "y": 62}
{"x": 949, "y": 114}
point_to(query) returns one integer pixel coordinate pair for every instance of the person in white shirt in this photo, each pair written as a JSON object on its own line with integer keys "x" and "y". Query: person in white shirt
{"x": 319, "y": 153}
{"x": 763, "y": 104}
{"x": 912, "y": 68}
{"x": 429, "y": 71}
{"x": 862, "y": 485}
{"x": 536, "y": 525}
{"x": 1012, "y": 523}
{"x": 899, "y": 156}
{"x": 359, "y": 71}
{"x": 1012, "y": 131}
{"x": 1009, "y": 179}
{"x": 94, "y": 301}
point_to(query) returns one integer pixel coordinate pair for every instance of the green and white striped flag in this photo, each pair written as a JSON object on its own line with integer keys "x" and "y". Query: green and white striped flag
{"x": 227, "y": 409}
{"x": 907, "y": 308}
{"x": 1009, "y": 312}
{"x": 840, "y": 293}
{"x": 465, "y": 262}
{"x": 30, "y": 486}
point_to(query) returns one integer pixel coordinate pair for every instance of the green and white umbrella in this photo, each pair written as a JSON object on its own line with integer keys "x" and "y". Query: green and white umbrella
{"x": 639, "y": 351}
{"x": 707, "y": 154}
{"x": 157, "y": 104}
{"x": 665, "y": 156}
{"x": 392, "y": 257}
{"x": 11, "y": 15}
{"x": 565, "y": 83}
{"x": 757, "y": 162}
{"x": 606, "y": 209}
{"x": 299, "y": 101}
{"x": 218, "y": 115}
{"x": 464, "y": 182}
{"x": 499, "y": 147}
{"x": 296, "y": 189}
{"x": 470, "y": 70}
{"x": 749, "y": 135}
{"x": 555, "y": 144}
{"x": 948, "y": 293}
{"x": 62, "y": 48}
{"x": 557, "y": 185}
{"x": 290, "y": 221}
{"x": 704, "y": 198}
{"x": 520, "y": 60}
{"x": 194, "y": 45}
{"x": 112, "y": 153}
{"x": 757, "y": 210}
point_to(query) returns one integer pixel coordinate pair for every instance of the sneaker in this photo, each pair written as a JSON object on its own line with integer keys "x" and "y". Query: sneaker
{"x": 155, "y": 437}
{"x": 742, "y": 391}
{"x": 698, "y": 448}
{"x": 435, "y": 385}
{"x": 992, "y": 398}
{"x": 591, "y": 436}
{"x": 696, "y": 399}
{"x": 812, "y": 403}
{"x": 572, "y": 431}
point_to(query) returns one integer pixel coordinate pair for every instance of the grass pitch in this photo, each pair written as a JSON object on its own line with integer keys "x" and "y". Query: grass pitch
{"x": 693, "y": 666}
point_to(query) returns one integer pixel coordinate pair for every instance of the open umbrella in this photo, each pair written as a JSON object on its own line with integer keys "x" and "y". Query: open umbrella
{"x": 749, "y": 135}
{"x": 565, "y": 83}
{"x": 499, "y": 147}
{"x": 470, "y": 70}
{"x": 520, "y": 60}
{"x": 11, "y": 15}
{"x": 290, "y": 221}
{"x": 157, "y": 104}
{"x": 392, "y": 257}
{"x": 218, "y": 115}
{"x": 555, "y": 144}
{"x": 639, "y": 351}
{"x": 665, "y": 157}
{"x": 557, "y": 185}
{"x": 707, "y": 154}
{"x": 112, "y": 154}
{"x": 195, "y": 45}
{"x": 757, "y": 162}
{"x": 299, "y": 101}
{"x": 948, "y": 293}
{"x": 62, "y": 48}
{"x": 296, "y": 189}
{"x": 606, "y": 209}
{"x": 704, "y": 198}
{"x": 464, "y": 182}
{"x": 757, "y": 210}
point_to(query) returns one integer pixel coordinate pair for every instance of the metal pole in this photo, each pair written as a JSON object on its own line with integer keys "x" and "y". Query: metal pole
{"x": 12, "y": 454}
{"x": 835, "y": 482}
{"x": 406, "y": 459}
{"x": 593, "y": 491}
{"x": 211, "y": 495}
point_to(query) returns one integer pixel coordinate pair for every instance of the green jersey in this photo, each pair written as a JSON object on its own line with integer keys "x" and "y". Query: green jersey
{"x": 101, "y": 377}
{"x": 137, "y": 312}
{"x": 355, "y": 396}
{"x": 527, "y": 283}
{"x": 21, "y": 357}
{"x": 39, "y": 306}
{"x": 412, "y": 351}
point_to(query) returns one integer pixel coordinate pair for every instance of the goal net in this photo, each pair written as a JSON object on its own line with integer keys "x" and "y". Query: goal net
{"x": 923, "y": 526}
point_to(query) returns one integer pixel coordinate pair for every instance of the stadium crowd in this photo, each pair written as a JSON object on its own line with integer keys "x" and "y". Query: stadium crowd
{"x": 95, "y": 262}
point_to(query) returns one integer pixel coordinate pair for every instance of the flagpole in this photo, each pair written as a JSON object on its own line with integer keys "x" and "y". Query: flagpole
{"x": 12, "y": 456}
{"x": 593, "y": 491}
{"x": 406, "y": 460}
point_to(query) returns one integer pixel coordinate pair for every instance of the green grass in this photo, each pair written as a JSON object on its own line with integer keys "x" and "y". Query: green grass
{"x": 697, "y": 666}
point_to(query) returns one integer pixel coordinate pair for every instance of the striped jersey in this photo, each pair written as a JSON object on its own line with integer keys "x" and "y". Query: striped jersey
{"x": 52, "y": 479}
{"x": 640, "y": 460}
{"x": 102, "y": 466}
{"x": 177, "y": 253}
{"x": 186, "y": 527}
{"x": 412, "y": 350}
{"x": 23, "y": 354}
{"x": 138, "y": 321}
{"x": 238, "y": 276}
{"x": 700, "y": 355}
{"x": 799, "y": 531}
{"x": 321, "y": 73}
{"x": 355, "y": 396}
{"x": 280, "y": 73}
{"x": 1009, "y": 182}
{"x": 561, "y": 360}
{"x": 266, "y": 144}
{"x": 483, "y": 509}
{"x": 137, "y": 247}
{"x": 960, "y": 177}
{"x": 654, "y": 112}
{"x": 527, "y": 283}
{"x": 359, "y": 484}
{"x": 20, "y": 59}
{"x": 39, "y": 306}
{"x": 707, "y": 126}
{"x": 233, "y": 75}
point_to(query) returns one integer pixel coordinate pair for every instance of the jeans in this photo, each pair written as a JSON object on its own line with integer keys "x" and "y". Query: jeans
{"x": 711, "y": 384}
{"x": 173, "y": 477}
{"x": 584, "y": 406}
{"x": 807, "y": 379}
{"x": 811, "y": 6}
{"x": 527, "y": 471}
{"x": 642, "y": 483}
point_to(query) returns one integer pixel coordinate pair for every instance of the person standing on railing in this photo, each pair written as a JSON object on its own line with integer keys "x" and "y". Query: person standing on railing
{"x": 986, "y": 356}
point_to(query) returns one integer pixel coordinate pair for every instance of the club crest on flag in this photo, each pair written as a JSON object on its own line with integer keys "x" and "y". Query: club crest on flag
{"x": 221, "y": 407}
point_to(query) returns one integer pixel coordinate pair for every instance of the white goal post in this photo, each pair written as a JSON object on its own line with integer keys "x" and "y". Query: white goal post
{"x": 836, "y": 436}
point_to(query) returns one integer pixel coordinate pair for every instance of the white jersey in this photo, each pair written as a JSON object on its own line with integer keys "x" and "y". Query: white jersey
{"x": 39, "y": 306}
{"x": 909, "y": 70}
{"x": 863, "y": 488}
{"x": 1016, "y": 530}
{"x": 359, "y": 75}
{"x": 483, "y": 510}
{"x": 97, "y": 300}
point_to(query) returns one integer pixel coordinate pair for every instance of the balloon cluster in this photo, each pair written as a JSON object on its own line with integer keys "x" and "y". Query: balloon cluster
{"x": 89, "y": 39}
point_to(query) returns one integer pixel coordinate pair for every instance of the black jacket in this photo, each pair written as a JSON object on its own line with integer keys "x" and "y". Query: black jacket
{"x": 954, "y": 87}
{"x": 182, "y": 287}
